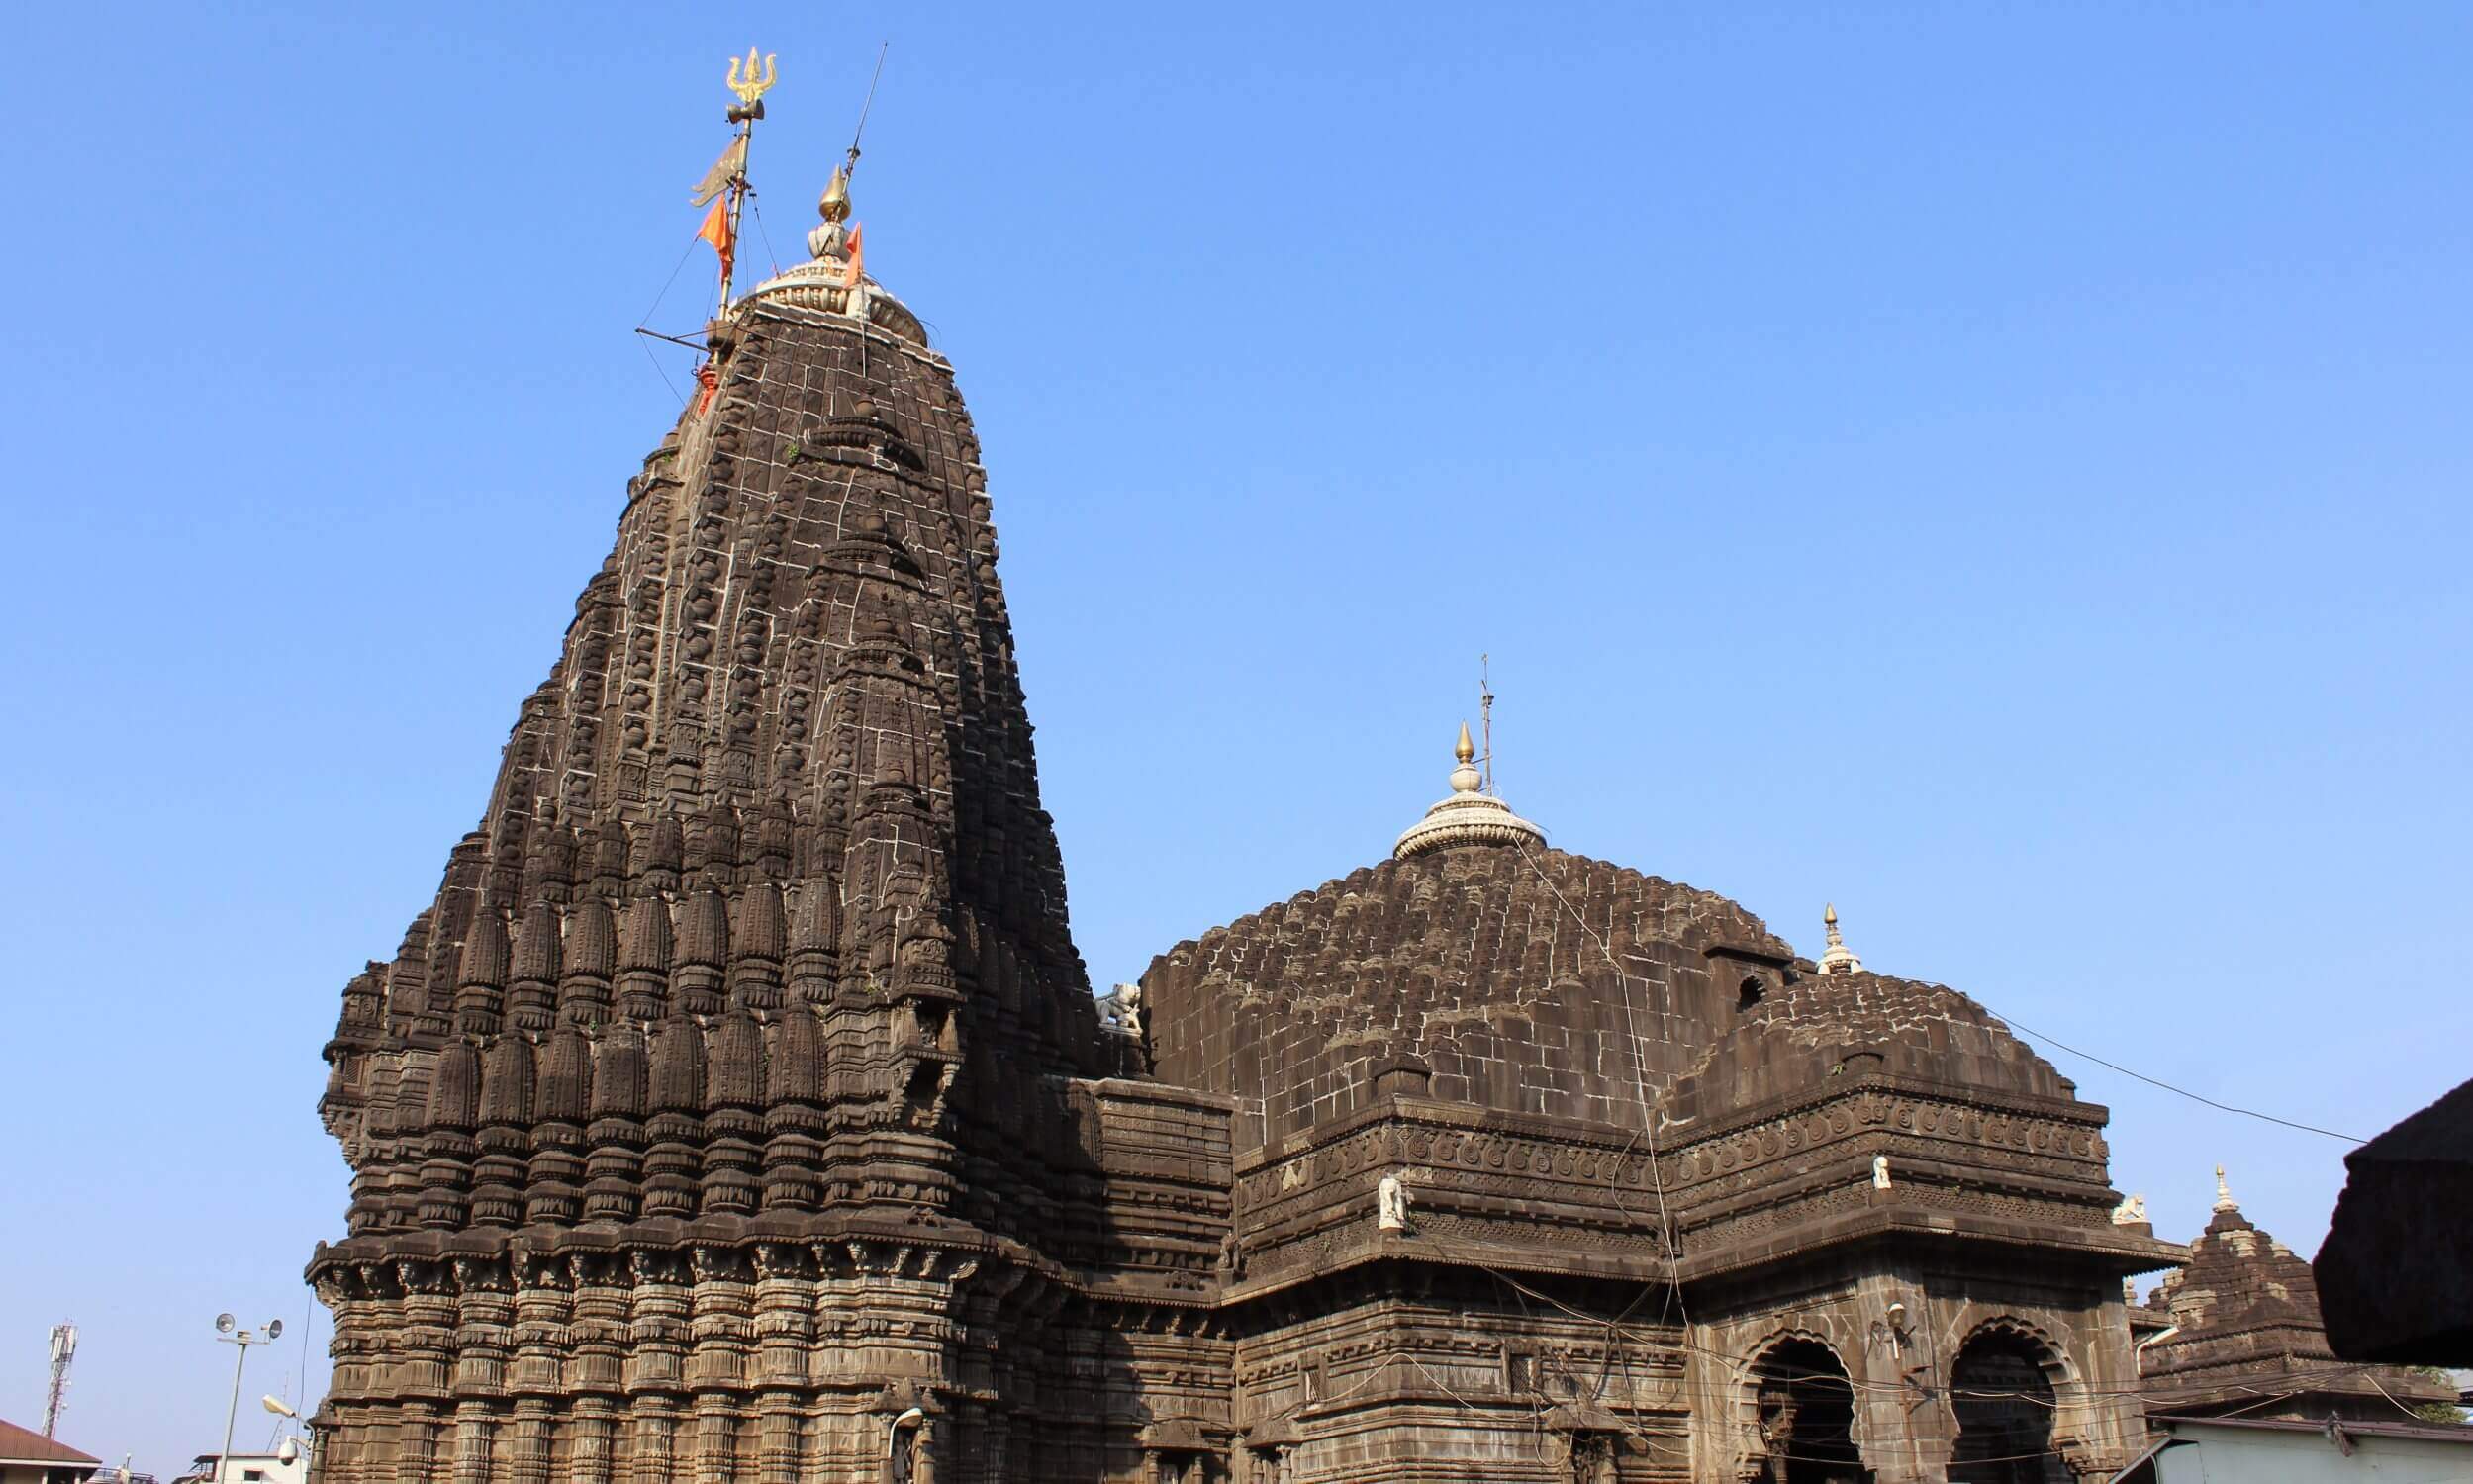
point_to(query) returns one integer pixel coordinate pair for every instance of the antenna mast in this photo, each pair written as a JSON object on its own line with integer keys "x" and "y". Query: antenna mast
{"x": 64, "y": 1350}
{"x": 850, "y": 166}
{"x": 1486, "y": 714}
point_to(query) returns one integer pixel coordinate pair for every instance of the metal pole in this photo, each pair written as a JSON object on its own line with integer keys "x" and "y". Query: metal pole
{"x": 223, "y": 1460}
{"x": 738, "y": 203}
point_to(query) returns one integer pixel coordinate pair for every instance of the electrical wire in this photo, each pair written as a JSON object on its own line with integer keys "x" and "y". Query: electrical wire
{"x": 1743, "y": 1363}
{"x": 764, "y": 236}
{"x": 660, "y": 371}
{"x": 1639, "y": 1076}
{"x": 668, "y": 282}
{"x": 2198, "y": 1097}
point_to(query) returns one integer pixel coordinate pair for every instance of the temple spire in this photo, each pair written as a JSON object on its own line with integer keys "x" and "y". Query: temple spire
{"x": 1836, "y": 958}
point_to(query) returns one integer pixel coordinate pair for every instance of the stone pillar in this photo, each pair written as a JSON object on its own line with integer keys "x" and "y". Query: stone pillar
{"x": 777, "y": 1439}
{"x": 475, "y": 1435}
{"x": 656, "y": 1425}
{"x": 587, "y": 1452}
{"x": 417, "y": 1463}
{"x": 717, "y": 1437}
{"x": 528, "y": 1443}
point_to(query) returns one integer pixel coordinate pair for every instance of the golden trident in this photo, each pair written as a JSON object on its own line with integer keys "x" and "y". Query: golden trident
{"x": 756, "y": 83}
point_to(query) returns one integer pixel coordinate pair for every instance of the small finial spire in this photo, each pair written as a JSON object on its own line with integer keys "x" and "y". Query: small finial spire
{"x": 2224, "y": 1193}
{"x": 1464, "y": 778}
{"x": 1836, "y": 958}
{"x": 1470, "y": 816}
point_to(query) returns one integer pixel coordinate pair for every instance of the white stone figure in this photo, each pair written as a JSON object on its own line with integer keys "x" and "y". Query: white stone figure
{"x": 1880, "y": 1171}
{"x": 1394, "y": 1198}
{"x": 2132, "y": 1208}
{"x": 1129, "y": 1009}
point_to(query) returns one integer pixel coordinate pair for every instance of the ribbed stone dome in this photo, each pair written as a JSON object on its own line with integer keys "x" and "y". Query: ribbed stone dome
{"x": 1526, "y": 980}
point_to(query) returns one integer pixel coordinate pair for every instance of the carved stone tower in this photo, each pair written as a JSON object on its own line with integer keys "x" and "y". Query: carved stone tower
{"x": 712, "y": 1120}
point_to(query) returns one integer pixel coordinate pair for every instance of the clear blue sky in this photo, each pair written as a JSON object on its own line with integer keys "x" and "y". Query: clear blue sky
{"x": 2003, "y": 470}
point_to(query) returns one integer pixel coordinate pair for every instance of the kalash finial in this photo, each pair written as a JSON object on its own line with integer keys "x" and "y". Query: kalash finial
{"x": 1464, "y": 778}
{"x": 1836, "y": 958}
{"x": 2224, "y": 1193}
{"x": 1470, "y": 816}
{"x": 833, "y": 242}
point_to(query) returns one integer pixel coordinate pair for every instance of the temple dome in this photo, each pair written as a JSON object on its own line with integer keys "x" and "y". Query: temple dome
{"x": 1847, "y": 1021}
{"x": 1485, "y": 968}
{"x": 1528, "y": 980}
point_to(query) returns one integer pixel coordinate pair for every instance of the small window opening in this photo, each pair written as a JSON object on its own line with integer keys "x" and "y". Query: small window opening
{"x": 1752, "y": 989}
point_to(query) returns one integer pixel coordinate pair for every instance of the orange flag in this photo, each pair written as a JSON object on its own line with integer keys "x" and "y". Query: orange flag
{"x": 717, "y": 230}
{"x": 850, "y": 275}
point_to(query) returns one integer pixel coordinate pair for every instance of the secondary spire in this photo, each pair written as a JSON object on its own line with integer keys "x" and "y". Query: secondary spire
{"x": 1836, "y": 958}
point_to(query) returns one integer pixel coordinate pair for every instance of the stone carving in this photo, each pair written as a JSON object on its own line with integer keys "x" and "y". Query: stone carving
{"x": 1393, "y": 1201}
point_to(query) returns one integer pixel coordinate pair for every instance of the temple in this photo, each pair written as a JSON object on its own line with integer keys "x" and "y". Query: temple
{"x": 2239, "y": 1333}
{"x": 740, "y": 1109}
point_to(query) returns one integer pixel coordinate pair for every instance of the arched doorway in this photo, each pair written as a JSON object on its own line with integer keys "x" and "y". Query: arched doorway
{"x": 2005, "y": 1406}
{"x": 1807, "y": 1416}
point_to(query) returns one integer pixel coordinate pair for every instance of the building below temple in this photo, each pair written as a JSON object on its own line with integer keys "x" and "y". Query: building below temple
{"x": 738, "y": 1110}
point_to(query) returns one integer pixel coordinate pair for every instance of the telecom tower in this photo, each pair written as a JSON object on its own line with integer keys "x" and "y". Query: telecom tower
{"x": 64, "y": 1350}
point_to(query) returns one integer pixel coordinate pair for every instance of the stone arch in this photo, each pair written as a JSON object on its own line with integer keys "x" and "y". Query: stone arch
{"x": 2051, "y": 1357}
{"x": 2013, "y": 1395}
{"x": 1800, "y": 1413}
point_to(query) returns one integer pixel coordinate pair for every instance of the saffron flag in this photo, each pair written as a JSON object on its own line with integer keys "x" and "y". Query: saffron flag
{"x": 717, "y": 230}
{"x": 850, "y": 274}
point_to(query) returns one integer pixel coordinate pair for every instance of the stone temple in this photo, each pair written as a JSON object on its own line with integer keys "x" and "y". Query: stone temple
{"x": 740, "y": 1112}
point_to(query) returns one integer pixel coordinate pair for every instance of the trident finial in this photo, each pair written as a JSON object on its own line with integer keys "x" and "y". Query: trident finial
{"x": 751, "y": 87}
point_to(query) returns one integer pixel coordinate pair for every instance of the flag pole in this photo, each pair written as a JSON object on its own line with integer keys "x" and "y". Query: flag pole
{"x": 750, "y": 90}
{"x": 738, "y": 203}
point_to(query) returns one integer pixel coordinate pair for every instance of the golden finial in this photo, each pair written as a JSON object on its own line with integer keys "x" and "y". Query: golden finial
{"x": 753, "y": 85}
{"x": 1465, "y": 749}
{"x": 1836, "y": 957}
{"x": 835, "y": 205}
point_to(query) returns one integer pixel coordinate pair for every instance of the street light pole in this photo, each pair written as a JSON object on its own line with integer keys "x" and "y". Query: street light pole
{"x": 223, "y": 1460}
{"x": 242, "y": 1339}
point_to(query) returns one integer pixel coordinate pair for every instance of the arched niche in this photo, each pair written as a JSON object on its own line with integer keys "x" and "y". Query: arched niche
{"x": 2009, "y": 1387}
{"x": 1803, "y": 1414}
